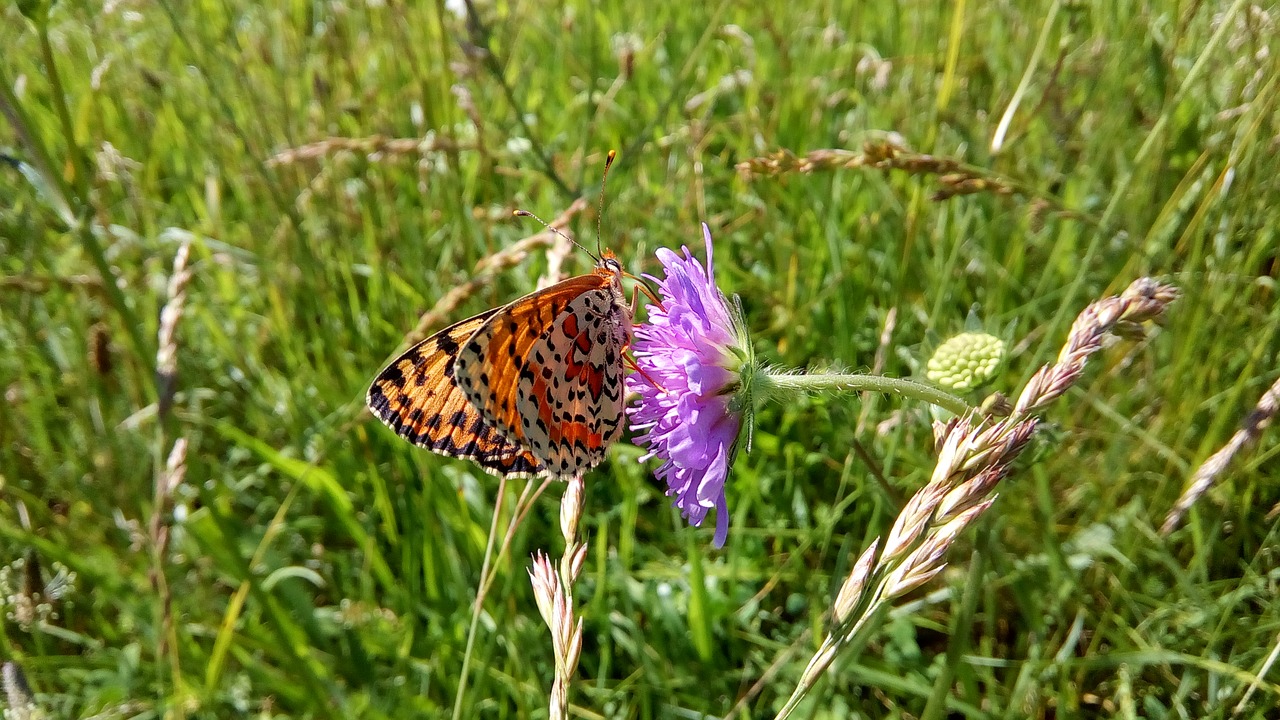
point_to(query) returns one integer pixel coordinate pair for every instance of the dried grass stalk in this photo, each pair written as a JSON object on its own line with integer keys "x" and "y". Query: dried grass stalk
{"x": 1205, "y": 475}
{"x": 486, "y": 269}
{"x": 166, "y": 336}
{"x": 373, "y": 146}
{"x": 953, "y": 177}
{"x": 18, "y": 697}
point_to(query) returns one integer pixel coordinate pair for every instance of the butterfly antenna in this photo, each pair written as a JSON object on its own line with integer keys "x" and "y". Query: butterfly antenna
{"x": 608, "y": 162}
{"x": 552, "y": 228}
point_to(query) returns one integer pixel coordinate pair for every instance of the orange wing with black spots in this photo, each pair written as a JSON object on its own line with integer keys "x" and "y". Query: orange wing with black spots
{"x": 547, "y": 371}
{"x": 418, "y": 397}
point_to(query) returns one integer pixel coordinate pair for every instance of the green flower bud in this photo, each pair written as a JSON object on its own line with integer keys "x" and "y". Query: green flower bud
{"x": 965, "y": 361}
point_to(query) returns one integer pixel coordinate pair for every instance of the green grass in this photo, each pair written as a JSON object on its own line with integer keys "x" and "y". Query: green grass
{"x": 322, "y": 567}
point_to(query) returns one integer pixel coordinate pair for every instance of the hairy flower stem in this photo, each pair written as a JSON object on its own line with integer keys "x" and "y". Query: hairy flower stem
{"x": 775, "y": 383}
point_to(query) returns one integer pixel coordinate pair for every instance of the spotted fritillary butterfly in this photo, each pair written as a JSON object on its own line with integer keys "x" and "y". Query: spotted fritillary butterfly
{"x": 531, "y": 388}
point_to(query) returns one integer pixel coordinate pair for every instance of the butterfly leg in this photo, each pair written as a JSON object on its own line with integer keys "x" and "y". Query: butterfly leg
{"x": 630, "y": 360}
{"x": 631, "y": 363}
{"x": 641, "y": 287}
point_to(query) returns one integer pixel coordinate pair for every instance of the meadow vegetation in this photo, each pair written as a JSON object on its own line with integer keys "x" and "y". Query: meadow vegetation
{"x": 219, "y": 220}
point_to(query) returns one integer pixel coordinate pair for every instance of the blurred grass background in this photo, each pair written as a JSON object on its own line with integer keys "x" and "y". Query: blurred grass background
{"x": 318, "y": 566}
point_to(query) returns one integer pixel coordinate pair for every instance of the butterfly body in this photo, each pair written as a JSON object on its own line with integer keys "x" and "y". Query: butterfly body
{"x": 531, "y": 388}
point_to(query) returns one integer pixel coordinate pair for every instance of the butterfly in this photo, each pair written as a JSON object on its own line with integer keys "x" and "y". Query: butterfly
{"x": 531, "y": 388}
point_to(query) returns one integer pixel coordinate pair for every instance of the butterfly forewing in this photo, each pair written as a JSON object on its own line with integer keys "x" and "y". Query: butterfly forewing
{"x": 417, "y": 397}
{"x": 546, "y": 371}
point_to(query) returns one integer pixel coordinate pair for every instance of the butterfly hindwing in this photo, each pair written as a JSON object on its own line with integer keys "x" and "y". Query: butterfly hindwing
{"x": 546, "y": 371}
{"x": 418, "y": 397}
{"x": 583, "y": 417}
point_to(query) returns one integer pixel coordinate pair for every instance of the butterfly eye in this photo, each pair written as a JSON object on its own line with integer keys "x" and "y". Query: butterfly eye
{"x": 613, "y": 266}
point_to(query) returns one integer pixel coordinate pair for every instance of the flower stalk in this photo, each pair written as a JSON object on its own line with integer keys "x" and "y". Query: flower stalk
{"x": 771, "y": 384}
{"x": 553, "y": 590}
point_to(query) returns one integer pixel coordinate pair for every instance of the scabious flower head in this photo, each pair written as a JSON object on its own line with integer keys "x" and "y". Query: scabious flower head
{"x": 694, "y": 363}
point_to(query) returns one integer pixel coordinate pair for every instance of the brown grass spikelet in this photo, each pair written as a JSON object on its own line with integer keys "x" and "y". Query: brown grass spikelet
{"x": 100, "y": 348}
{"x": 20, "y": 701}
{"x": 371, "y": 146}
{"x": 508, "y": 257}
{"x": 1207, "y": 474}
{"x": 553, "y": 590}
{"x": 166, "y": 336}
{"x": 954, "y": 177}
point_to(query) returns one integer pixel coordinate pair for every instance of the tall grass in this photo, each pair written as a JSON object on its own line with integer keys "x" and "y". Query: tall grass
{"x": 335, "y": 169}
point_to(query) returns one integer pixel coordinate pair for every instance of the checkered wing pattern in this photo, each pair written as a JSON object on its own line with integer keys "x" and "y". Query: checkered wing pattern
{"x": 546, "y": 371}
{"x": 418, "y": 397}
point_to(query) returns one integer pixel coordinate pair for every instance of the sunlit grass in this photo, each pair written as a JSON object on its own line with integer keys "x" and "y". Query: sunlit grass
{"x": 319, "y": 566}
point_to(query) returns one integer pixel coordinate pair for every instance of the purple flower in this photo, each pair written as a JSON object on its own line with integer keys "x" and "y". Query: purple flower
{"x": 691, "y": 357}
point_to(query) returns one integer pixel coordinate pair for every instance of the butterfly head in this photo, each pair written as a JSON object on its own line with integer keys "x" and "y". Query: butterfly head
{"x": 609, "y": 267}
{"x": 609, "y": 261}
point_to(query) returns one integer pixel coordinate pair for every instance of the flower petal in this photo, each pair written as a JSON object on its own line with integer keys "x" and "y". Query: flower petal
{"x": 691, "y": 347}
